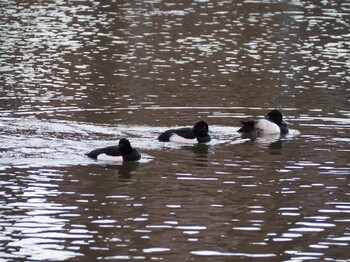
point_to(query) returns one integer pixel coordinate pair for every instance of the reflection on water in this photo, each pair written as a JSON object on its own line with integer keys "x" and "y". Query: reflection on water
{"x": 78, "y": 75}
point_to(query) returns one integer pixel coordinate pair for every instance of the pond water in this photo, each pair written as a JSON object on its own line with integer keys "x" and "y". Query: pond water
{"x": 76, "y": 75}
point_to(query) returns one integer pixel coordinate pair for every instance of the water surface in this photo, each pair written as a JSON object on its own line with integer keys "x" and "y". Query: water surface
{"x": 82, "y": 74}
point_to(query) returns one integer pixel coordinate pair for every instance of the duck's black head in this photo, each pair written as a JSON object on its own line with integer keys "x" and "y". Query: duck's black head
{"x": 200, "y": 129}
{"x": 124, "y": 146}
{"x": 276, "y": 117}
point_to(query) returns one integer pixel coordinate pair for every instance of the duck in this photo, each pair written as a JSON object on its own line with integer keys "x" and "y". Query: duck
{"x": 187, "y": 135}
{"x": 123, "y": 152}
{"x": 273, "y": 123}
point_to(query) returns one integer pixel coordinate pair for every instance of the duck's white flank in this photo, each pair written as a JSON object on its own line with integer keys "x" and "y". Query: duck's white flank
{"x": 266, "y": 127}
{"x": 104, "y": 157}
{"x": 179, "y": 139}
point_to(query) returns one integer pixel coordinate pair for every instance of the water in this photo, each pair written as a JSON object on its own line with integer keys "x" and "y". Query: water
{"x": 76, "y": 75}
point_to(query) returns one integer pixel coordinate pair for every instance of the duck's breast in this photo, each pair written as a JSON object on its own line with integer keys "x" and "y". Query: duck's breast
{"x": 266, "y": 127}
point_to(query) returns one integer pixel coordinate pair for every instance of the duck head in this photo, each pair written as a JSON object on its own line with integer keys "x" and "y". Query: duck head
{"x": 200, "y": 129}
{"x": 124, "y": 146}
{"x": 276, "y": 117}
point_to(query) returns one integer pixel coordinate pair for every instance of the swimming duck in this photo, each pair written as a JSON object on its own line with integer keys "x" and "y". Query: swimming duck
{"x": 273, "y": 123}
{"x": 189, "y": 135}
{"x": 120, "y": 153}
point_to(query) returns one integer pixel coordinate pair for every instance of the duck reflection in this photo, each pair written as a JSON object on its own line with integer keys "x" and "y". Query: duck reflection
{"x": 200, "y": 149}
{"x": 124, "y": 169}
{"x": 201, "y": 152}
{"x": 273, "y": 141}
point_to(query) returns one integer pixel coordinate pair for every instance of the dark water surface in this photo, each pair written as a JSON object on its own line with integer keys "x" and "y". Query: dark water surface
{"x": 76, "y": 75}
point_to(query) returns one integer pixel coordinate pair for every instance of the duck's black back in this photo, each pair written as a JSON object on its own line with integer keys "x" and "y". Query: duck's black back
{"x": 185, "y": 132}
{"x": 111, "y": 151}
{"x": 248, "y": 126}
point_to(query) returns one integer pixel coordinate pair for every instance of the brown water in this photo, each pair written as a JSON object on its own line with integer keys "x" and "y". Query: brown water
{"x": 76, "y": 75}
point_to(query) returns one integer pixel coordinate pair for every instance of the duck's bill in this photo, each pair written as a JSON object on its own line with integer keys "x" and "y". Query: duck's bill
{"x": 283, "y": 122}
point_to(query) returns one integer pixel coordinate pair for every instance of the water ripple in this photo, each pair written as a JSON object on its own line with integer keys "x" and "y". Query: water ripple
{"x": 76, "y": 75}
